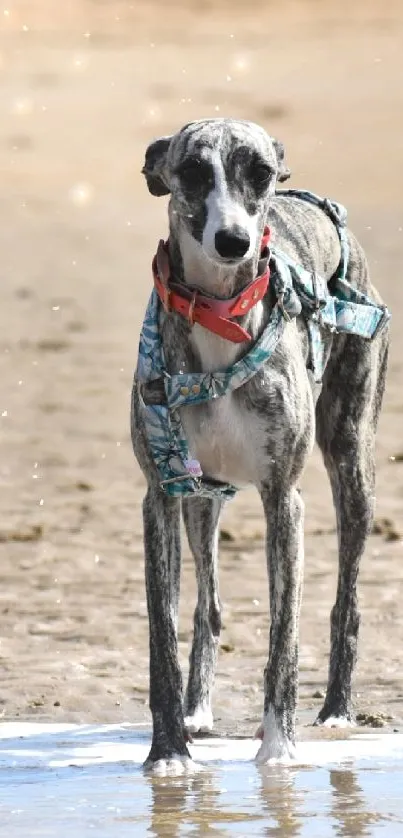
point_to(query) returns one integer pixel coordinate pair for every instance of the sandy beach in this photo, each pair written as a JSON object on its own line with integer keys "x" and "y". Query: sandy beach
{"x": 84, "y": 88}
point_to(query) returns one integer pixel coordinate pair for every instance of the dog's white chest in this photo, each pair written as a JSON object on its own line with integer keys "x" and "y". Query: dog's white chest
{"x": 226, "y": 439}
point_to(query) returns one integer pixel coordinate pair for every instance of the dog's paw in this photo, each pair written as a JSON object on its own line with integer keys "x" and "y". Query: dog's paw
{"x": 276, "y": 746}
{"x": 273, "y": 752}
{"x": 201, "y": 721}
{"x": 173, "y": 766}
{"x": 334, "y": 721}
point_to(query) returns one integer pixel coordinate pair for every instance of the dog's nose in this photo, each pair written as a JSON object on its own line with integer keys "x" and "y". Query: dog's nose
{"x": 232, "y": 243}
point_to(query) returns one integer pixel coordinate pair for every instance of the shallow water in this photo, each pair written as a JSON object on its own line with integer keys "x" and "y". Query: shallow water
{"x": 59, "y": 779}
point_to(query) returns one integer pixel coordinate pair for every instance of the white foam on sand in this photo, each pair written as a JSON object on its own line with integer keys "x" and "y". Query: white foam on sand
{"x": 25, "y": 744}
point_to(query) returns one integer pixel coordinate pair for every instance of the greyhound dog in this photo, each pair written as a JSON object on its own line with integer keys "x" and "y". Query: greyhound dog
{"x": 221, "y": 176}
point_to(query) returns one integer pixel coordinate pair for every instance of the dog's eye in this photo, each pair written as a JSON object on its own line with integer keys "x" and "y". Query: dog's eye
{"x": 260, "y": 175}
{"x": 195, "y": 174}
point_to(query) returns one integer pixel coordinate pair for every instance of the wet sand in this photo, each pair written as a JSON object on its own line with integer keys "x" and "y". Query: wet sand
{"x": 84, "y": 88}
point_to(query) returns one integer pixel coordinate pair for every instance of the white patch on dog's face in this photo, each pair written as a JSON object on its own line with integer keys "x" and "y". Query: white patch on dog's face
{"x": 221, "y": 175}
{"x": 226, "y": 214}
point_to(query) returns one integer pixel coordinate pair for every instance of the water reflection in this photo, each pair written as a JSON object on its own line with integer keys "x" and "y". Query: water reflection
{"x": 194, "y": 801}
{"x": 216, "y": 802}
{"x": 272, "y": 801}
{"x": 281, "y": 800}
{"x": 349, "y": 806}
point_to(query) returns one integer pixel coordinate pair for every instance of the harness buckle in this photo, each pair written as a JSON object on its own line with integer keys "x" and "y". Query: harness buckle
{"x": 190, "y": 316}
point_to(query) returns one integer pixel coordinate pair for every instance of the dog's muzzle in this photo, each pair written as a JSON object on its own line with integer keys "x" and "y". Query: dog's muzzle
{"x": 232, "y": 243}
{"x": 213, "y": 313}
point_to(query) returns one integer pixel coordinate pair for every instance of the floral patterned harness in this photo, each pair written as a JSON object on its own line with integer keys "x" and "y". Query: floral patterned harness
{"x": 298, "y": 291}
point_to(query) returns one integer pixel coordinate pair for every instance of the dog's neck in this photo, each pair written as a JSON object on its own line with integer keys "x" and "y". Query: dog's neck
{"x": 190, "y": 265}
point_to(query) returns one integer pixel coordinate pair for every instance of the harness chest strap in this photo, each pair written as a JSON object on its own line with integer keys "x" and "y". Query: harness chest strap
{"x": 179, "y": 473}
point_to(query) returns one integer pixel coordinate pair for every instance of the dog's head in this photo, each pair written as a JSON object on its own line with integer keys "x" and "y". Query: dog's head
{"x": 220, "y": 174}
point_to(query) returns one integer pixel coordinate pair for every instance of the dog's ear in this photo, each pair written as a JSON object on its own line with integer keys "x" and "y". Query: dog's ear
{"x": 283, "y": 172}
{"x": 154, "y": 164}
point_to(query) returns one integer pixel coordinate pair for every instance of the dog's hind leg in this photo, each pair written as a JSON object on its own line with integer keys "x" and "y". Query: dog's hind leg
{"x": 161, "y": 514}
{"x": 201, "y": 516}
{"x": 347, "y": 415}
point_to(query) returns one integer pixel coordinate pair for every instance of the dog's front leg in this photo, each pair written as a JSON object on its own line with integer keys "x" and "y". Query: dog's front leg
{"x": 285, "y": 554}
{"x": 169, "y": 753}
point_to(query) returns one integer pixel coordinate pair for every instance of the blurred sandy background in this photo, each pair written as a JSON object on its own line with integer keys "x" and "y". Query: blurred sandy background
{"x": 84, "y": 86}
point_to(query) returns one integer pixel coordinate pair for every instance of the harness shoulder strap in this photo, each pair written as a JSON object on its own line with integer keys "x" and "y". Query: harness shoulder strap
{"x": 337, "y": 214}
{"x": 346, "y": 309}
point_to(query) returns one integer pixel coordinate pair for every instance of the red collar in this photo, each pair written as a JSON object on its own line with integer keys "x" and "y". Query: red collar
{"x": 214, "y": 313}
